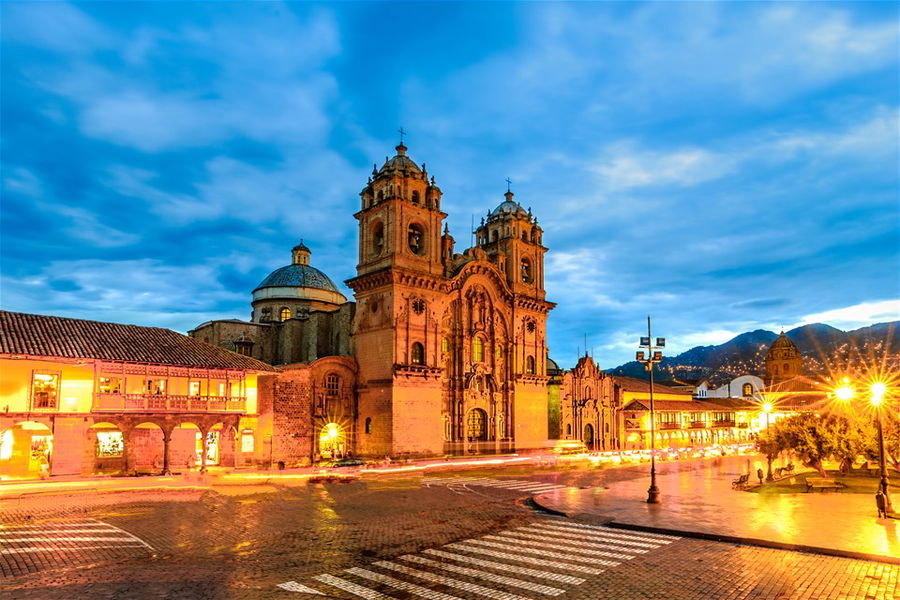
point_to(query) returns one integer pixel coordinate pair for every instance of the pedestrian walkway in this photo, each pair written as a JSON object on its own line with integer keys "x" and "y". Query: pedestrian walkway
{"x": 30, "y": 548}
{"x": 701, "y": 501}
{"x": 545, "y": 558}
{"x": 516, "y": 485}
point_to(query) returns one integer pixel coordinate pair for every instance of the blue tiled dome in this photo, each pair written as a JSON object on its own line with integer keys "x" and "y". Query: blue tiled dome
{"x": 298, "y": 276}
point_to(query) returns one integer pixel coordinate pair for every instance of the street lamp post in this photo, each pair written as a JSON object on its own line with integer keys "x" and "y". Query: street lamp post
{"x": 877, "y": 390}
{"x": 654, "y": 355}
{"x": 767, "y": 408}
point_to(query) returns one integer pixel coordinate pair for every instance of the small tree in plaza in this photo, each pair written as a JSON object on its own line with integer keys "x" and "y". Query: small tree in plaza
{"x": 810, "y": 437}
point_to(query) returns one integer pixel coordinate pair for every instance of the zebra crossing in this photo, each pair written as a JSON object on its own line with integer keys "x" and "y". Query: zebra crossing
{"x": 25, "y": 548}
{"x": 516, "y": 485}
{"x": 545, "y": 558}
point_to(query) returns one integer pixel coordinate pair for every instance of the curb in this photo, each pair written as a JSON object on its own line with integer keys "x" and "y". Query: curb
{"x": 717, "y": 537}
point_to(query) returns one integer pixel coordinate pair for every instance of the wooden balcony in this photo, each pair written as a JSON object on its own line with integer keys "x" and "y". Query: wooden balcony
{"x": 698, "y": 424}
{"x": 632, "y": 424}
{"x": 167, "y": 403}
{"x": 669, "y": 425}
{"x": 726, "y": 423}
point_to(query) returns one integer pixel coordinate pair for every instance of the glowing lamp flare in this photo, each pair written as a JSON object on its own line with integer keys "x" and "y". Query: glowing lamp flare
{"x": 878, "y": 391}
{"x": 767, "y": 407}
{"x": 844, "y": 392}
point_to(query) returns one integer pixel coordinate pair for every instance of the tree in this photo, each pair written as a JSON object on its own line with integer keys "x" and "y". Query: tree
{"x": 809, "y": 436}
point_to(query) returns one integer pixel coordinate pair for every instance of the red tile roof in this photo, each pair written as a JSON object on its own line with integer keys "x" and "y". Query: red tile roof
{"x": 37, "y": 335}
{"x": 630, "y": 384}
{"x": 679, "y": 405}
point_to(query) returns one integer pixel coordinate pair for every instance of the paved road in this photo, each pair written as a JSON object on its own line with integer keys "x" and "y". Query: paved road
{"x": 467, "y": 537}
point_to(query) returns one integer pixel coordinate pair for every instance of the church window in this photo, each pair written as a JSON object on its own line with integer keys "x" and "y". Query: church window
{"x": 415, "y": 197}
{"x": 478, "y": 350}
{"x": 748, "y": 390}
{"x": 445, "y": 345}
{"x": 416, "y": 239}
{"x": 332, "y": 384}
{"x": 534, "y": 235}
{"x": 266, "y": 315}
{"x": 381, "y": 196}
{"x": 368, "y": 424}
{"x": 529, "y": 325}
{"x": 377, "y": 239}
{"x": 494, "y": 236}
{"x": 417, "y": 354}
{"x": 285, "y": 314}
{"x": 499, "y": 351}
{"x": 569, "y": 429}
{"x": 448, "y": 428}
{"x": 524, "y": 236}
{"x": 587, "y": 393}
{"x": 526, "y": 270}
{"x": 786, "y": 368}
{"x": 529, "y": 365}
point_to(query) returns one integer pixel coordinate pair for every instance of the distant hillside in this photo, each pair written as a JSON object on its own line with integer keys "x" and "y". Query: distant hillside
{"x": 820, "y": 345}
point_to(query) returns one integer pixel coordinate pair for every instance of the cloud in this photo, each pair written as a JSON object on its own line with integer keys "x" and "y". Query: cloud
{"x": 858, "y": 315}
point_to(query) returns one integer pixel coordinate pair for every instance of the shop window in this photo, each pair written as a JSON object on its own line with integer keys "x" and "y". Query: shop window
{"x": 478, "y": 350}
{"x": 417, "y": 354}
{"x": 368, "y": 424}
{"x": 44, "y": 389}
{"x": 284, "y": 314}
{"x": 110, "y": 385}
{"x": 332, "y": 385}
{"x": 110, "y": 444}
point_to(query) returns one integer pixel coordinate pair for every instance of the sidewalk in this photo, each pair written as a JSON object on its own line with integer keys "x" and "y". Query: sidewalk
{"x": 701, "y": 503}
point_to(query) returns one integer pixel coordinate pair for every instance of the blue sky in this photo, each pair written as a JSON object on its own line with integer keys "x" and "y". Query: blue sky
{"x": 723, "y": 167}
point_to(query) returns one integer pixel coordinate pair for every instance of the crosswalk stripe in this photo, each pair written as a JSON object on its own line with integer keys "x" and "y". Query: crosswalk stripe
{"x": 624, "y": 540}
{"x": 349, "y": 586}
{"x": 522, "y": 548}
{"x": 400, "y": 585}
{"x": 466, "y": 547}
{"x": 537, "y": 573}
{"x": 66, "y": 539}
{"x": 521, "y": 539}
{"x": 65, "y": 548}
{"x": 597, "y": 544}
{"x": 547, "y": 488}
{"x": 475, "y": 573}
{"x": 572, "y": 546}
{"x": 53, "y": 526}
{"x": 516, "y": 484}
{"x": 637, "y": 534}
{"x": 519, "y": 545}
{"x": 449, "y": 581}
{"x": 293, "y": 586}
{"x": 56, "y": 531}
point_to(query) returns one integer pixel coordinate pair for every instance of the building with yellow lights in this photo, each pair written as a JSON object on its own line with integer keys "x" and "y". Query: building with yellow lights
{"x": 80, "y": 397}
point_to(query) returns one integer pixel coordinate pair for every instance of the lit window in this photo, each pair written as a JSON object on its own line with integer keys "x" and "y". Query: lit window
{"x": 44, "y": 390}
{"x": 110, "y": 385}
{"x": 368, "y": 424}
{"x": 110, "y": 444}
{"x": 445, "y": 345}
{"x": 477, "y": 424}
{"x": 285, "y": 314}
{"x": 477, "y": 350}
{"x": 194, "y": 388}
{"x": 529, "y": 365}
{"x": 332, "y": 385}
{"x": 417, "y": 355}
{"x": 748, "y": 390}
{"x": 154, "y": 386}
{"x": 526, "y": 270}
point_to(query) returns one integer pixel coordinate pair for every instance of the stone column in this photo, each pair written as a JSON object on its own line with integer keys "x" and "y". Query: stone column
{"x": 205, "y": 445}
{"x": 167, "y": 439}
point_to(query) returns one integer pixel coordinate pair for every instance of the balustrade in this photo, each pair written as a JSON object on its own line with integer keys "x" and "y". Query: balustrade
{"x": 167, "y": 403}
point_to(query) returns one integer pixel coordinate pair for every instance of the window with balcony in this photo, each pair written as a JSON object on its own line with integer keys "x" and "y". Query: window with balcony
{"x": 529, "y": 365}
{"x": 417, "y": 354}
{"x": 154, "y": 386}
{"x": 44, "y": 389}
{"x": 110, "y": 385}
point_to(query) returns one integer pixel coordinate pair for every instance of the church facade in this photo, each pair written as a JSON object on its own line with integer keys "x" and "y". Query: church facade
{"x": 441, "y": 353}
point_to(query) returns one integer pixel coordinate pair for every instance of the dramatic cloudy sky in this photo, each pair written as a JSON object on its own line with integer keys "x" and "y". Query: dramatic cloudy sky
{"x": 721, "y": 166}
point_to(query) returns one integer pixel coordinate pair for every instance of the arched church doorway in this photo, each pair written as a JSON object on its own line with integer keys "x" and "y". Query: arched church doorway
{"x": 332, "y": 441}
{"x": 589, "y": 436}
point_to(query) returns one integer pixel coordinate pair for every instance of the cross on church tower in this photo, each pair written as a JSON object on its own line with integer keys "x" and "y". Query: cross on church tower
{"x": 402, "y": 133}
{"x": 508, "y": 183}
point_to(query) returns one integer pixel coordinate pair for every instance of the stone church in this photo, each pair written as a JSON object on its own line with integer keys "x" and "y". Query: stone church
{"x": 441, "y": 352}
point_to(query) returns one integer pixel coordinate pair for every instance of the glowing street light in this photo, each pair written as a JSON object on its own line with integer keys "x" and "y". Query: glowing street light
{"x": 654, "y": 355}
{"x": 882, "y": 499}
{"x": 767, "y": 408}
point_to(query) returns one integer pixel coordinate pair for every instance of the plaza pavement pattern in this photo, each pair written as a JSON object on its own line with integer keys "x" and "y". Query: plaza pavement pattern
{"x": 29, "y": 548}
{"x": 545, "y": 558}
{"x": 514, "y": 485}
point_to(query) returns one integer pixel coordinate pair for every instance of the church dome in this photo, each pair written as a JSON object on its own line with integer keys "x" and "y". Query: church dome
{"x": 400, "y": 163}
{"x": 783, "y": 342}
{"x": 297, "y": 276}
{"x": 510, "y": 206}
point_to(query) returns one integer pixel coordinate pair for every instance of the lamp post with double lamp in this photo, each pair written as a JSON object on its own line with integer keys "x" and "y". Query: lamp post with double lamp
{"x": 877, "y": 391}
{"x": 767, "y": 408}
{"x": 653, "y": 356}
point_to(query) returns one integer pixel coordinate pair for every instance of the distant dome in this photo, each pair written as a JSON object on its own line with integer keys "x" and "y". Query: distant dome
{"x": 783, "y": 342}
{"x": 297, "y": 276}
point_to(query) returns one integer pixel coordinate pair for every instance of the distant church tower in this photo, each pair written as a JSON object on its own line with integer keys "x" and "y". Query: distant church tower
{"x": 783, "y": 360}
{"x": 400, "y": 272}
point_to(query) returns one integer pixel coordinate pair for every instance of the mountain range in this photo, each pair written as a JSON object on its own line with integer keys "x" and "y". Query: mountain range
{"x": 821, "y": 345}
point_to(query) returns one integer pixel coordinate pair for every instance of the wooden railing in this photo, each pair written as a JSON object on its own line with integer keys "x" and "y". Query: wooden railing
{"x": 168, "y": 403}
{"x": 698, "y": 424}
{"x": 669, "y": 425}
{"x": 723, "y": 423}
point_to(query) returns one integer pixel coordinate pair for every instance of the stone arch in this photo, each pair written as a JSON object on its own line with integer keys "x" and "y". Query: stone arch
{"x": 26, "y": 448}
{"x": 106, "y": 447}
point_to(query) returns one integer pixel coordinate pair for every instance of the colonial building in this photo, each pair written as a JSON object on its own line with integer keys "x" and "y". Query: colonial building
{"x": 588, "y": 406}
{"x": 81, "y": 397}
{"x": 443, "y": 352}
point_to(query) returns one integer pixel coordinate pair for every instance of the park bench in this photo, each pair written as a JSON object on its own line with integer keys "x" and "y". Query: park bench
{"x": 822, "y": 484}
{"x": 740, "y": 481}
